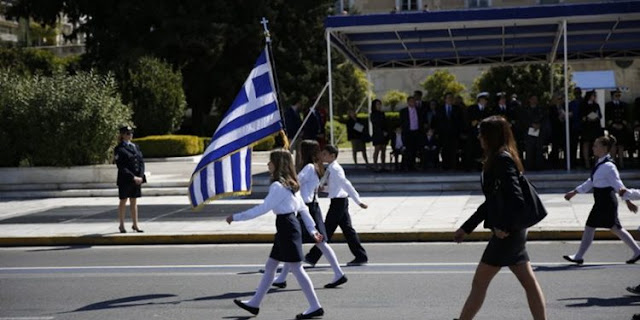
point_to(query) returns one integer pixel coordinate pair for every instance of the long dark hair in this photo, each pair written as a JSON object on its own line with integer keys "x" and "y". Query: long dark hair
{"x": 496, "y": 134}
{"x": 607, "y": 141}
{"x": 310, "y": 153}
{"x": 284, "y": 171}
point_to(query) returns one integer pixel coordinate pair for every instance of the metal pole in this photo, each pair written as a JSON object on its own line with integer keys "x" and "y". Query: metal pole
{"x": 369, "y": 102}
{"x": 330, "y": 85}
{"x": 568, "y": 150}
{"x": 306, "y": 118}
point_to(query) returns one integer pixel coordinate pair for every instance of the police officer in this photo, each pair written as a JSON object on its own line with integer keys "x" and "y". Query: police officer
{"x": 131, "y": 176}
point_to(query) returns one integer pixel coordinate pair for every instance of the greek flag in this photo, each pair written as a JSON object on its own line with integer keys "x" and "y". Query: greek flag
{"x": 225, "y": 167}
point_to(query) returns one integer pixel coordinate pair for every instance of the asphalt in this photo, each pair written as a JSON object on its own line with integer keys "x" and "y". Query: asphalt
{"x": 391, "y": 217}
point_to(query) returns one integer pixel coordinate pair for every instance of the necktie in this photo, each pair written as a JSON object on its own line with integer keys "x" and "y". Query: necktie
{"x": 448, "y": 111}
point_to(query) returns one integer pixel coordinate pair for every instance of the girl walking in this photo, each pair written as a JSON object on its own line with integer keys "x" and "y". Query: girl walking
{"x": 500, "y": 171}
{"x": 310, "y": 172}
{"x": 605, "y": 182}
{"x": 284, "y": 199}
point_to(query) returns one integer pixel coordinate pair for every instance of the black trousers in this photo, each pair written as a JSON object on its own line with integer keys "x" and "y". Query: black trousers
{"x": 412, "y": 141}
{"x": 338, "y": 215}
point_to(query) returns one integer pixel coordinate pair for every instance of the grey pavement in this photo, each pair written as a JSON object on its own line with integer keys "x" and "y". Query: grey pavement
{"x": 391, "y": 216}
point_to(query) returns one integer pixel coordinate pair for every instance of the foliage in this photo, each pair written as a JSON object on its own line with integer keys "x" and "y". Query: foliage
{"x": 32, "y": 61}
{"x": 439, "y": 83}
{"x": 522, "y": 80}
{"x": 213, "y": 43}
{"x": 59, "y": 120}
{"x": 42, "y": 35}
{"x": 350, "y": 88}
{"x": 169, "y": 146}
{"x": 394, "y": 97}
{"x": 266, "y": 144}
{"x": 155, "y": 94}
{"x": 339, "y": 132}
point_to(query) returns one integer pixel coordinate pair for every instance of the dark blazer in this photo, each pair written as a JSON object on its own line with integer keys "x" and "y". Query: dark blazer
{"x": 292, "y": 122}
{"x": 405, "y": 122}
{"x": 130, "y": 163}
{"x": 503, "y": 196}
{"x": 448, "y": 128}
{"x": 313, "y": 127}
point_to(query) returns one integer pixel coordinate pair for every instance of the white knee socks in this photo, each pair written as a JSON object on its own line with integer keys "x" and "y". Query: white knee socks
{"x": 627, "y": 239}
{"x": 587, "y": 239}
{"x": 265, "y": 283}
{"x": 328, "y": 252}
{"x": 305, "y": 285}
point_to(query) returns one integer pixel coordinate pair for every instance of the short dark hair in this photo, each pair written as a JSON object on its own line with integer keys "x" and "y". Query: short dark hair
{"x": 332, "y": 149}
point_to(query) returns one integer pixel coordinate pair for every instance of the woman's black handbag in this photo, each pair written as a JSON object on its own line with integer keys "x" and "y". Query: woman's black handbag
{"x": 533, "y": 211}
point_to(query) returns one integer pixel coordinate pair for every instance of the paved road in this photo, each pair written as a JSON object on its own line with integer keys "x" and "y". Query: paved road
{"x": 403, "y": 281}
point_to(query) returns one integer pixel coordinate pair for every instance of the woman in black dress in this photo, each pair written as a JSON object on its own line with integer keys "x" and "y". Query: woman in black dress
{"x": 590, "y": 123}
{"x": 380, "y": 136}
{"x": 131, "y": 176}
{"x": 500, "y": 172}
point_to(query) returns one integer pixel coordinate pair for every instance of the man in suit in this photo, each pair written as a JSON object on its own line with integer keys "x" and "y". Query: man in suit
{"x": 412, "y": 132}
{"x": 293, "y": 122}
{"x": 476, "y": 112}
{"x": 448, "y": 123}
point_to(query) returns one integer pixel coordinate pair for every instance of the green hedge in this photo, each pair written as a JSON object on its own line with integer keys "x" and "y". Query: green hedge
{"x": 266, "y": 145}
{"x": 58, "y": 120}
{"x": 170, "y": 146}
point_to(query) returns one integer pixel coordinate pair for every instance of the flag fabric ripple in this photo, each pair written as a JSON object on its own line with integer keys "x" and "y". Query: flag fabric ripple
{"x": 225, "y": 167}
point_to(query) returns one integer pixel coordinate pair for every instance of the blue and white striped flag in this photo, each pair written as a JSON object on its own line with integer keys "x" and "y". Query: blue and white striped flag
{"x": 225, "y": 167}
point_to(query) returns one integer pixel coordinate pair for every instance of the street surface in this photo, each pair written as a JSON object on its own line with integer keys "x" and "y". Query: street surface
{"x": 402, "y": 281}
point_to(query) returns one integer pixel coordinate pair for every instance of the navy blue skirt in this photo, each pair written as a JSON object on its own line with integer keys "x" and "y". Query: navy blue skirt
{"x": 287, "y": 243}
{"x": 316, "y": 214}
{"x": 129, "y": 190}
{"x": 604, "y": 213}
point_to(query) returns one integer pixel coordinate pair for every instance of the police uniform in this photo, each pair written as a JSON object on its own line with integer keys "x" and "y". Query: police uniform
{"x": 130, "y": 164}
{"x": 615, "y": 113}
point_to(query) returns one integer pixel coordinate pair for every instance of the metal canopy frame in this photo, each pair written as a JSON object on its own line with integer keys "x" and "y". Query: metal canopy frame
{"x": 494, "y": 36}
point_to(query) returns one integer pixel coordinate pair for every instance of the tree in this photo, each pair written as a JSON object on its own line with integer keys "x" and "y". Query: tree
{"x": 439, "y": 83}
{"x": 155, "y": 94}
{"x": 393, "y": 97}
{"x": 213, "y": 43}
{"x": 350, "y": 88}
{"x": 523, "y": 80}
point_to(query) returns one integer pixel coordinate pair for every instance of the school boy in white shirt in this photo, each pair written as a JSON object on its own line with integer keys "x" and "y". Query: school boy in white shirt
{"x": 340, "y": 189}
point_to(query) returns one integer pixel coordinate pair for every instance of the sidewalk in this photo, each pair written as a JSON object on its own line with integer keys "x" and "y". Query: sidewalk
{"x": 168, "y": 219}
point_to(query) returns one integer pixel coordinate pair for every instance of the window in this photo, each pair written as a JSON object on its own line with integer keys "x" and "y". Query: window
{"x": 409, "y": 5}
{"x": 478, "y": 3}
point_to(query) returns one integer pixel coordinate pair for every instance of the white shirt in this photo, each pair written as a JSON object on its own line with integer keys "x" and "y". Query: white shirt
{"x": 339, "y": 186}
{"x": 309, "y": 181}
{"x": 606, "y": 176}
{"x": 399, "y": 144}
{"x": 280, "y": 200}
{"x": 631, "y": 194}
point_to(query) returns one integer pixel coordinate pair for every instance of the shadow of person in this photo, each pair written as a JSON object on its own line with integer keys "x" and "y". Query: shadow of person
{"x": 75, "y": 247}
{"x": 235, "y": 295}
{"x": 604, "y": 302}
{"x": 128, "y": 302}
{"x": 568, "y": 267}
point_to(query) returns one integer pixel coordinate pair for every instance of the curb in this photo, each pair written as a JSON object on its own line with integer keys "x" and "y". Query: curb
{"x": 436, "y": 236}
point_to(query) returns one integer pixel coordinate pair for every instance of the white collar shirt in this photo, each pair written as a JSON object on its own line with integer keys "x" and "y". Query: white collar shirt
{"x": 399, "y": 144}
{"x": 338, "y": 184}
{"x": 606, "y": 175}
{"x": 309, "y": 181}
{"x": 280, "y": 200}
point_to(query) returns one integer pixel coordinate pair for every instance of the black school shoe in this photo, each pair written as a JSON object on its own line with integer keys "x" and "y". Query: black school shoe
{"x": 280, "y": 285}
{"x": 336, "y": 283}
{"x": 576, "y": 261}
{"x": 252, "y": 310}
{"x": 356, "y": 262}
{"x": 318, "y": 313}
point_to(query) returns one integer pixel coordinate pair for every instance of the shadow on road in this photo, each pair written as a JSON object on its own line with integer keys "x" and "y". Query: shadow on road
{"x": 569, "y": 267}
{"x": 128, "y": 302}
{"x": 625, "y": 301}
{"x": 62, "y": 248}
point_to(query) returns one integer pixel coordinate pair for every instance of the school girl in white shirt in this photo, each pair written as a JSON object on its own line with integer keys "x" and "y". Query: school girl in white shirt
{"x": 605, "y": 182}
{"x": 284, "y": 200}
{"x": 309, "y": 179}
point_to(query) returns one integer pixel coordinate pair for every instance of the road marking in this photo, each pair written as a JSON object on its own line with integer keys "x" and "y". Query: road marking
{"x": 26, "y": 318}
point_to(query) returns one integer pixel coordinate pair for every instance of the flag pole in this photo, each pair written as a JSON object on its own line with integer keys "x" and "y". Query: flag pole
{"x": 267, "y": 36}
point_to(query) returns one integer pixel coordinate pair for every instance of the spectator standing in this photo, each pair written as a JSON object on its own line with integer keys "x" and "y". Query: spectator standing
{"x": 575, "y": 125}
{"x": 475, "y": 114}
{"x": 518, "y": 122}
{"x": 292, "y": 122}
{"x": 616, "y": 114}
{"x": 558, "y": 130}
{"x": 536, "y": 132}
{"x": 357, "y": 134}
{"x": 501, "y": 108}
{"x": 591, "y": 128}
{"x": 412, "y": 132}
{"x": 397, "y": 148}
{"x": 313, "y": 128}
{"x": 130, "y": 163}
{"x": 430, "y": 151}
{"x": 380, "y": 135}
{"x": 448, "y": 123}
